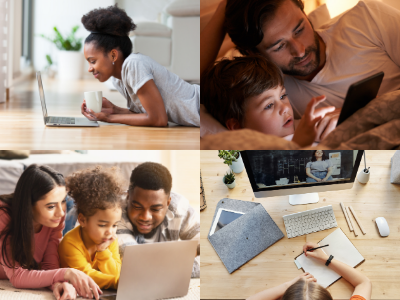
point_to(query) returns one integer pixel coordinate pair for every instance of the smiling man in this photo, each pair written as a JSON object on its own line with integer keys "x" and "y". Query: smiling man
{"x": 155, "y": 214}
{"x": 316, "y": 61}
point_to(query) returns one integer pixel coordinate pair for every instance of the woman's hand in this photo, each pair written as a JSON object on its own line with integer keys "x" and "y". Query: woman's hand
{"x": 107, "y": 109}
{"x": 103, "y": 246}
{"x": 84, "y": 285}
{"x": 317, "y": 254}
{"x": 306, "y": 132}
{"x": 64, "y": 291}
{"x": 318, "y": 179}
{"x": 325, "y": 179}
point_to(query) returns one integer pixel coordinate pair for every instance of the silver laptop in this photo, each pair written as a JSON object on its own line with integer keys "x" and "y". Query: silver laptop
{"x": 155, "y": 271}
{"x": 61, "y": 121}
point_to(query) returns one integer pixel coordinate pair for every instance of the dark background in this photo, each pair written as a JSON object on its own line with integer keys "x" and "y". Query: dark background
{"x": 271, "y": 165}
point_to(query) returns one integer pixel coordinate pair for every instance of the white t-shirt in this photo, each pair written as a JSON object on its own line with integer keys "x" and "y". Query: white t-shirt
{"x": 359, "y": 43}
{"x": 181, "y": 99}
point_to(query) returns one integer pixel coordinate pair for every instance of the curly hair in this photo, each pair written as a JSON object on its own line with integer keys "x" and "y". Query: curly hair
{"x": 96, "y": 188}
{"x": 324, "y": 156}
{"x": 151, "y": 176}
{"x": 109, "y": 29}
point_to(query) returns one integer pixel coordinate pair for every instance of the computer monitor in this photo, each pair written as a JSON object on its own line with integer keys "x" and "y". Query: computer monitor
{"x": 301, "y": 174}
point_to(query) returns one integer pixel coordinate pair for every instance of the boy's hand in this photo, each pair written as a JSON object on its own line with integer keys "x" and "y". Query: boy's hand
{"x": 327, "y": 124}
{"x": 103, "y": 246}
{"x": 306, "y": 132}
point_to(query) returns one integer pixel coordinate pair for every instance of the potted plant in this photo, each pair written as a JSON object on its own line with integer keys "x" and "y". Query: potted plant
{"x": 229, "y": 180}
{"x": 70, "y": 61}
{"x": 49, "y": 68}
{"x": 233, "y": 159}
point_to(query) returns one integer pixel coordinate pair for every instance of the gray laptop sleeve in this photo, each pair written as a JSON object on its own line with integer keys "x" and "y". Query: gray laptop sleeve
{"x": 247, "y": 236}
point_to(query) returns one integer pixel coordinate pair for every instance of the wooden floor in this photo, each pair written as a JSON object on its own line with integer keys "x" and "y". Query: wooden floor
{"x": 22, "y": 126}
{"x": 377, "y": 198}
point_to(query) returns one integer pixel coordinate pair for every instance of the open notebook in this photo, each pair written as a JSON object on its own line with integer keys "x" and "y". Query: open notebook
{"x": 341, "y": 248}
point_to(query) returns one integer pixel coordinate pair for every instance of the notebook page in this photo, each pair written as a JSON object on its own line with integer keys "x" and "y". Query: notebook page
{"x": 341, "y": 248}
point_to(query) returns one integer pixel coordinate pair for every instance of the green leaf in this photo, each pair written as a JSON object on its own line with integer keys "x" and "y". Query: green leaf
{"x": 70, "y": 43}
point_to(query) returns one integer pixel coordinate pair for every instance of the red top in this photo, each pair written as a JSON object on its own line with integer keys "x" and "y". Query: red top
{"x": 46, "y": 254}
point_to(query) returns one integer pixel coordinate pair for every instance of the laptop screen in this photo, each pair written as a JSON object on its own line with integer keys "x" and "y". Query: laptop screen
{"x": 41, "y": 94}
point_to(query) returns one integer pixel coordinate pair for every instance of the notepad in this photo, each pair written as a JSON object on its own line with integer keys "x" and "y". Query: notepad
{"x": 341, "y": 248}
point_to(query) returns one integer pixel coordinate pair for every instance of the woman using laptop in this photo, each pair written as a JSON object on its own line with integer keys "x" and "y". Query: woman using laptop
{"x": 31, "y": 224}
{"x": 305, "y": 286}
{"x": 319, "y": 169}
{"x": 154, "y": 95}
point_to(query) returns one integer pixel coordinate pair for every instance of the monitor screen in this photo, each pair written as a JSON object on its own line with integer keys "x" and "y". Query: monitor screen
{"x": 288, "y": 169}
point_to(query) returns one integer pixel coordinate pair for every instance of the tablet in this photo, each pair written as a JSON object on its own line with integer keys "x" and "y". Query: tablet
{"x": 359, "y": 95}
{"x": 223, "y": 218}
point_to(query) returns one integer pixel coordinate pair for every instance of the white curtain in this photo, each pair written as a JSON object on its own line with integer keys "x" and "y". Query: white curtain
{"x": 4, "y": 47}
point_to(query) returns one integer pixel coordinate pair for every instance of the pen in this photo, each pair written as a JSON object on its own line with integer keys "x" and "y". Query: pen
{"x": 317, "y": 248}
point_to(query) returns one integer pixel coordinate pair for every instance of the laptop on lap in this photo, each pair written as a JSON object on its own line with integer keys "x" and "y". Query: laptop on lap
{"x": 155, "y": 271}
{"x": 60, "y": 121}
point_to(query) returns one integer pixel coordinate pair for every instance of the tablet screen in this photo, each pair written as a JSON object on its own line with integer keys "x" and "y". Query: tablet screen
{"x": 223, "y": 218}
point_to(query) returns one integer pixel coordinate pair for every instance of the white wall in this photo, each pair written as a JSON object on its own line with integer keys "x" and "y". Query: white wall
{"x": 64, "y": 15}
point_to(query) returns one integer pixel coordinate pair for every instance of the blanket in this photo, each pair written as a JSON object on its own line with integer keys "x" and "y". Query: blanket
{"x": 376, "y": 126}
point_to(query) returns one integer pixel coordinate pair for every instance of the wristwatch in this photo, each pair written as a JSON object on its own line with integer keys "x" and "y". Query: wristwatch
{"x": 329, "y": 260}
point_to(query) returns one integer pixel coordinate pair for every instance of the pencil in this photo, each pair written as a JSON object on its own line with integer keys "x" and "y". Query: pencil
{"x": 317, "y": 248}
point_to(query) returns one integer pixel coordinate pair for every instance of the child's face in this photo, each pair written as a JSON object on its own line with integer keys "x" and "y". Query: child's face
{"x": 147, "y": 208}
{"x": 102, "y": 226}
{"x": 270, "y": 113}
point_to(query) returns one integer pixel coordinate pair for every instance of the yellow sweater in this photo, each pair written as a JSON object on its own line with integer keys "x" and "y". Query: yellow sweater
{"x": 104, "y": 269}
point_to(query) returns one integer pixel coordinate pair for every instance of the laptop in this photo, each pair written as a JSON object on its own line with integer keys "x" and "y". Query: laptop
{"x": 61, "y": 121}
{"x": 155, "y": 271}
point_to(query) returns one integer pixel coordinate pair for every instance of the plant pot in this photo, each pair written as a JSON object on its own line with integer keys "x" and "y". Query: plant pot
{"x": 238, "y": 165}
{"x": 230, "y": 185}
{"x": 70, "y": 65}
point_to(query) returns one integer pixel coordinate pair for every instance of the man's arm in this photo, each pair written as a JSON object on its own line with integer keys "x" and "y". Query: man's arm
{"x": 211, "y": 38}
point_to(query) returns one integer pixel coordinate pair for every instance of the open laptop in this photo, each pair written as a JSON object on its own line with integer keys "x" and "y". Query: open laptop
{"x": 155, "y": 271}
{"x": 61, "y": 121}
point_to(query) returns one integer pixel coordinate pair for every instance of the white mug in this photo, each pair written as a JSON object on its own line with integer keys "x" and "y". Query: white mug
{"x": 94, "y": 101}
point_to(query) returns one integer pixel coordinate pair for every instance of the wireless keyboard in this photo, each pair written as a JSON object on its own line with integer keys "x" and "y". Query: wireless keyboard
{"x": 309, "y": 221}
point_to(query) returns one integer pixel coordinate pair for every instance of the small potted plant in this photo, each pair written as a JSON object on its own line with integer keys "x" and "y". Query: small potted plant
{"x": 70, "y": 60}
{"x": 233, "y": 159}
{"x": 229, "y": 180}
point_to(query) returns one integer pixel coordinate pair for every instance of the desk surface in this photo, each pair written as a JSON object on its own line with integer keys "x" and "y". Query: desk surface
{"x": 22, "y": 127}
{"x": 377, "y": 198}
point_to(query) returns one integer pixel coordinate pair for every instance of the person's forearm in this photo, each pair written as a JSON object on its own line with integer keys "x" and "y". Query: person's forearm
{"x": 330, "y": 171}
{"x": 211, "y": 38}
{"x": 272, "y": 293}
{"x": 352, "y": 275}
{"x": 119, "y": 110}
{"x": 137, "y": 120}
{"x": 309, "y": 174}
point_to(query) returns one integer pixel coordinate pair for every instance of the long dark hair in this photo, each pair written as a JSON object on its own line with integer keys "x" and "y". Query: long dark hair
{"x": 324, "y": 157}
{"x": 18, "y": 236}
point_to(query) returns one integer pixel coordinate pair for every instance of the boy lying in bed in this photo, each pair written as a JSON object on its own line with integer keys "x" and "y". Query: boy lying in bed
{"x": 248, "y": 92}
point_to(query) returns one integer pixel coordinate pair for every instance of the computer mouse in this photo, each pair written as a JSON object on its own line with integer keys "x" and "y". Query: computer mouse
{"x": 383, "y": 226}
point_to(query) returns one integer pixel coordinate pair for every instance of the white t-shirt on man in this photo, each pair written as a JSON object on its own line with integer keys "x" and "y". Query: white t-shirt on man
{"x": 359, "y": 43}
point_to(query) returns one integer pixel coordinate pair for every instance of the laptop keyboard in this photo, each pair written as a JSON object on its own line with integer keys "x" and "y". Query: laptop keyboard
{"x": 62, "y": 120}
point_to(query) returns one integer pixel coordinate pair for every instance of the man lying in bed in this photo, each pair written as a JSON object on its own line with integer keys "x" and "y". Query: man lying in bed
{"x": 352, "y": 46}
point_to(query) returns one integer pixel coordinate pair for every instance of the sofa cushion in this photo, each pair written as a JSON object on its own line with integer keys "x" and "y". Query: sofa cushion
{"x": 145, "y": 28}
{"x": 184, "y": 8}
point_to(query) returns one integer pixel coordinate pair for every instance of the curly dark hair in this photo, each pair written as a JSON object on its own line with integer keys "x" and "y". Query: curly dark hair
{"x": 96, "y": 188}
{"x": 112, "y": 26}
{"x": 324, "y": 156}
{"x": 151, "y": 176}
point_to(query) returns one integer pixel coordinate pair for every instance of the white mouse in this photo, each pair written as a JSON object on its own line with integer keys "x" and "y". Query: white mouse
{"x": 383, "y": 226}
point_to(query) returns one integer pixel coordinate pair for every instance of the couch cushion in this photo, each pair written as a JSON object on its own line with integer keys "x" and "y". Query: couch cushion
{"x": 145, "y": 28}
{"x": 184, "y": 8}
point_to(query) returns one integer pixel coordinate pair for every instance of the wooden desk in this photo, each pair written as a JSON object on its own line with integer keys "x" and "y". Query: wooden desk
{"x": 377, "y": 198}
{"x": 22, "y": 126}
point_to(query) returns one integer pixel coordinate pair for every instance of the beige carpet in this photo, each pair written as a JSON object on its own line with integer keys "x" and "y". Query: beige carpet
{"x": 8, "y": 292}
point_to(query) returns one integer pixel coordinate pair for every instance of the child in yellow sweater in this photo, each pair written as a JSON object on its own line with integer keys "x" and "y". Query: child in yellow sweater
{"x": 92, "y": 247}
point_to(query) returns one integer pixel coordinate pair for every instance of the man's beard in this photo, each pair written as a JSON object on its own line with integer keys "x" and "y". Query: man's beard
{"x": 146, "y": 235}
{"x": 310, "y": 67}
